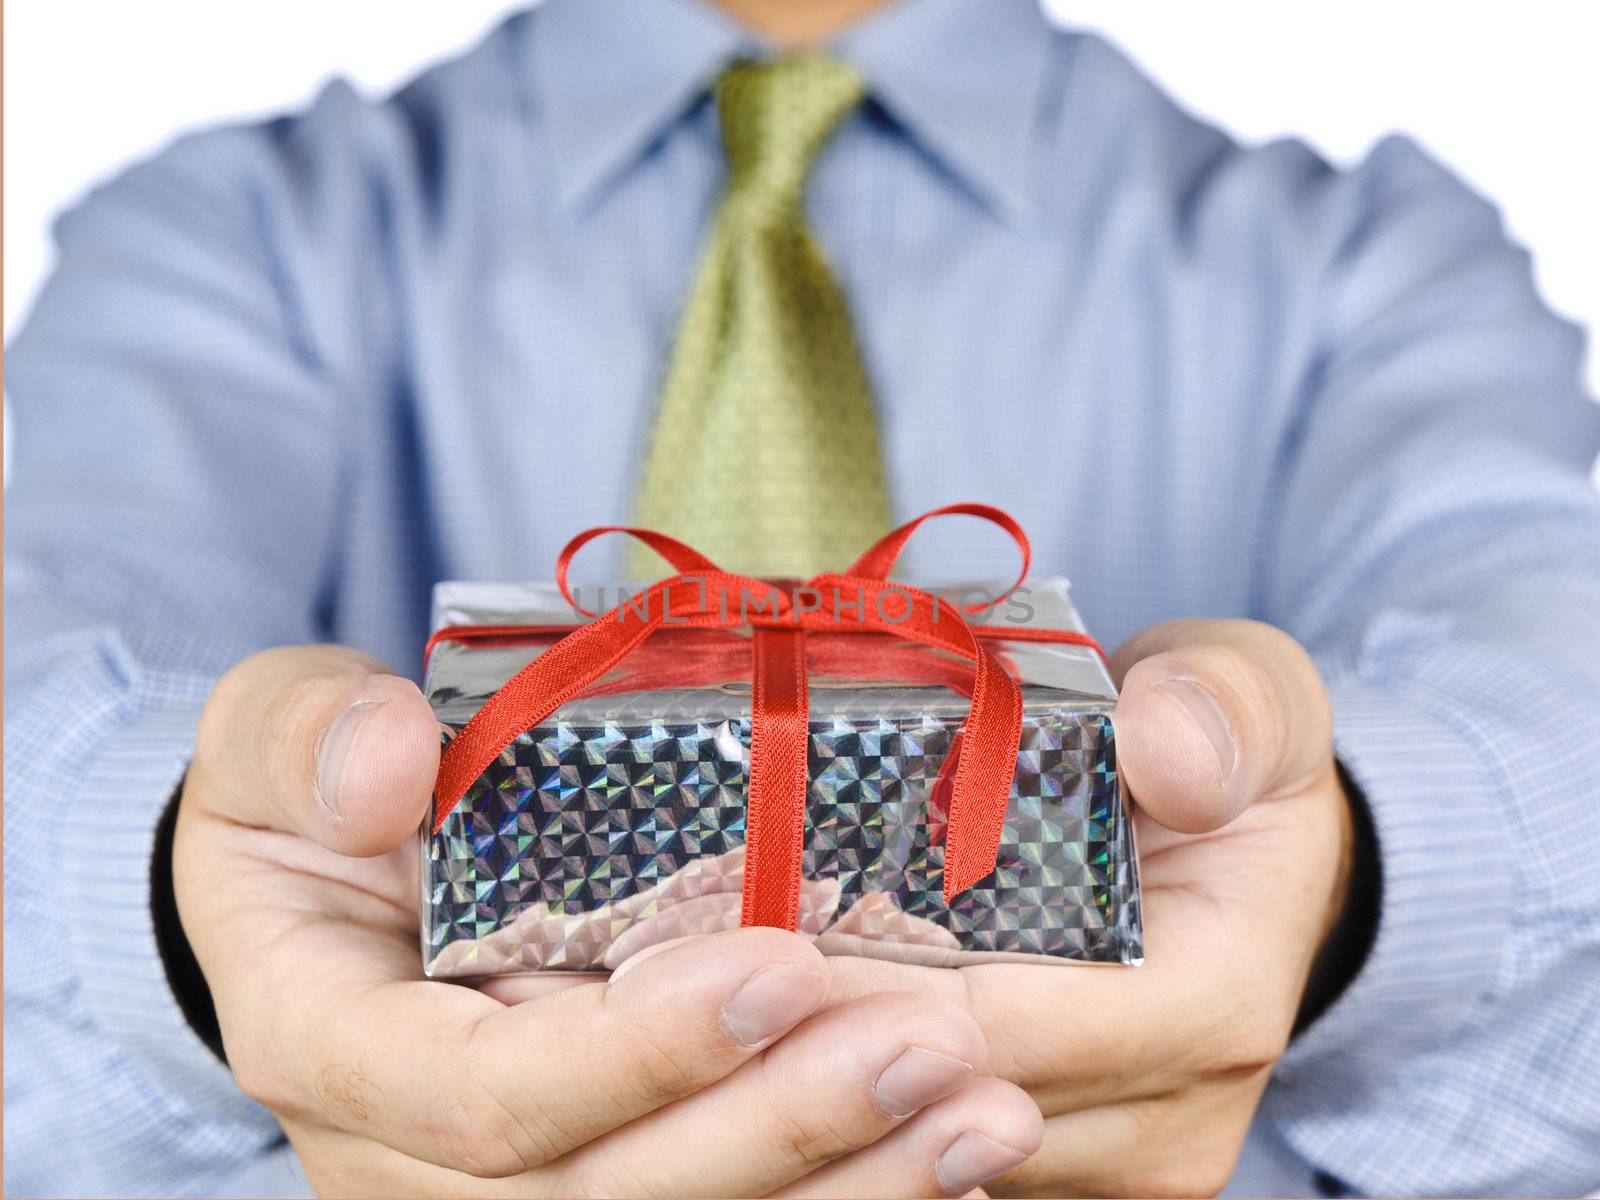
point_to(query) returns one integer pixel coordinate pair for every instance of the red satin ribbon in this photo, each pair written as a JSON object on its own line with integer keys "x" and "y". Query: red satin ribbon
{"x": 860, "y": 600}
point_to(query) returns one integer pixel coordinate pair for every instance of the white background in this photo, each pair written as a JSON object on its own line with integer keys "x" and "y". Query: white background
{"x": 1508, "y": 94}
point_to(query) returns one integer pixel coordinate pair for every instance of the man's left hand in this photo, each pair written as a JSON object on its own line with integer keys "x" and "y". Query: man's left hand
{"x": 1149, "y": 1078}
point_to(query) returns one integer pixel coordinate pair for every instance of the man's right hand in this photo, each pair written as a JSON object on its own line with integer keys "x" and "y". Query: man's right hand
{"x": 707, "y": 1066}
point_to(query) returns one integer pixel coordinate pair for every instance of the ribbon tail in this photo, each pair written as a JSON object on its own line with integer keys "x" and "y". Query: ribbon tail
{"x": 775, "y": 816}
{"x": 983, "y": 779}
{"x": 528, "y": 697}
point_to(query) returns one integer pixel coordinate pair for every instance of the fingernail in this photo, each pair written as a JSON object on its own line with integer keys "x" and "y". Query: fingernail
{"x": 333, "y": 752}
{"x": 1206, "y": 712}
{"x": 971, "y": 1159}
{"x": 916, "y": 1079}
{"x": 772, "y": 1001}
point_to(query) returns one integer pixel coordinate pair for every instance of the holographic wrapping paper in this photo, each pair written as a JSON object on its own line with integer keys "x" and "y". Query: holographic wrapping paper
{"x": 620, "y": 822}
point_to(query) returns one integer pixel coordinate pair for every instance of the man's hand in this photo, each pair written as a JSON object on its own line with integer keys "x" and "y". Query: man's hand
{"x": 709, "y": 1066}
{"x": 1149, "y": 1078}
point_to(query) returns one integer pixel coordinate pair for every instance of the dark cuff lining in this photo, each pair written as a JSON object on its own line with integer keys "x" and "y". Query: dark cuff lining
{"x": 1350, "y": 941}
{"x": 183, "y": 972}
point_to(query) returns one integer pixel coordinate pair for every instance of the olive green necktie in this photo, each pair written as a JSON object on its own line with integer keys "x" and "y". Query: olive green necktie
{"x": 765, "y": 450}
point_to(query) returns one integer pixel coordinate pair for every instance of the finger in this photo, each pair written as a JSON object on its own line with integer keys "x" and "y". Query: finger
{"x": 1129, "y": 1034}
{"x": 1214, "y": 715}
{"x": 339, "y": 1164}
{"x": 492, "y": 1090}
{"x": 1185, "y": 1145}
{"x": 320, "y": 741}
{"x": 835, "y": 1085}
{"x": 345, "y": 1166}
{"x": 950, "y": 1149}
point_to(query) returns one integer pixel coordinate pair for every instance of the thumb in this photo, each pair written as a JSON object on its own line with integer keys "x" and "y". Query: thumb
{"x": 319, "y": 741}
{"x": 1214, "y": 715}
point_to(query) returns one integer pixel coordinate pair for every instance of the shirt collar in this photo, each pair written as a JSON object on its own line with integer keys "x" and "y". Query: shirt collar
{"x": 611, "y": 75}
{"x": 963, "y": 77}
{"x": 966, "y": 79}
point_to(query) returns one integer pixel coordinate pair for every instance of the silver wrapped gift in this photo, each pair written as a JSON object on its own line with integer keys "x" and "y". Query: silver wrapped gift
{"x": 619, "y": 822}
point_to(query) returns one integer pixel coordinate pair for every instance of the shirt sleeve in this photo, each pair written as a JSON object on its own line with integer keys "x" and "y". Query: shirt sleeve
{"x": 170, "y": 512}
{"x": 1439, "y": 553}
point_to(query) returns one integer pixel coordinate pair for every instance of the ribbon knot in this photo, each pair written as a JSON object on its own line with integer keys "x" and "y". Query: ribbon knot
{"x": 781, "y": 614}
{"x": 775, "y": 117}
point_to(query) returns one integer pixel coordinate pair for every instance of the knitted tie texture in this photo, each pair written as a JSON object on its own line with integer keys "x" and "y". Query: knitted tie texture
{"x": 765, "y": 450}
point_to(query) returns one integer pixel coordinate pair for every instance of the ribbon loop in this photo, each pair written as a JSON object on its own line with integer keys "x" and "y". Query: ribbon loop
{"x": 880, "y": 558}
{"x": 681, "y": 555}
{"x": 704, "y": 596}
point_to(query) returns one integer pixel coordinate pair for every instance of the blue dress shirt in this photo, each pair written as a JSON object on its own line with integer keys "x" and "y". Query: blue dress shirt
{"x": 287, "y": 375}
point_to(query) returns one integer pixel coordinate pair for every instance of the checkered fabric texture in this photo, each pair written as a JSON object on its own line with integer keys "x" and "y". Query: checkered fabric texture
{"x": 579, "y": 833}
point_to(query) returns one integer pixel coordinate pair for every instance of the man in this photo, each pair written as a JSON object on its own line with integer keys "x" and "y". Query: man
{"x": 286, "y": 376}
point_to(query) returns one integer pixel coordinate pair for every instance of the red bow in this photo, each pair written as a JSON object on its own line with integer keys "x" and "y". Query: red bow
{"x": 860, "y": 600}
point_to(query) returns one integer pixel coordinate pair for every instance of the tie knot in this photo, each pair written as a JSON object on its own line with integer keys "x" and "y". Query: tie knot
{"x": 776, "y": 115}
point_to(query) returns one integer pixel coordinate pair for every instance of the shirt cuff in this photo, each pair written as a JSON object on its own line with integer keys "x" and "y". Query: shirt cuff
{"x": 1446, "y": 895}
{"x": 111, "y": 930}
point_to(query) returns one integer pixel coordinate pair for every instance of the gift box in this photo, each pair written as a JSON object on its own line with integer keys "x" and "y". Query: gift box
{"x": 889, "y": 787}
